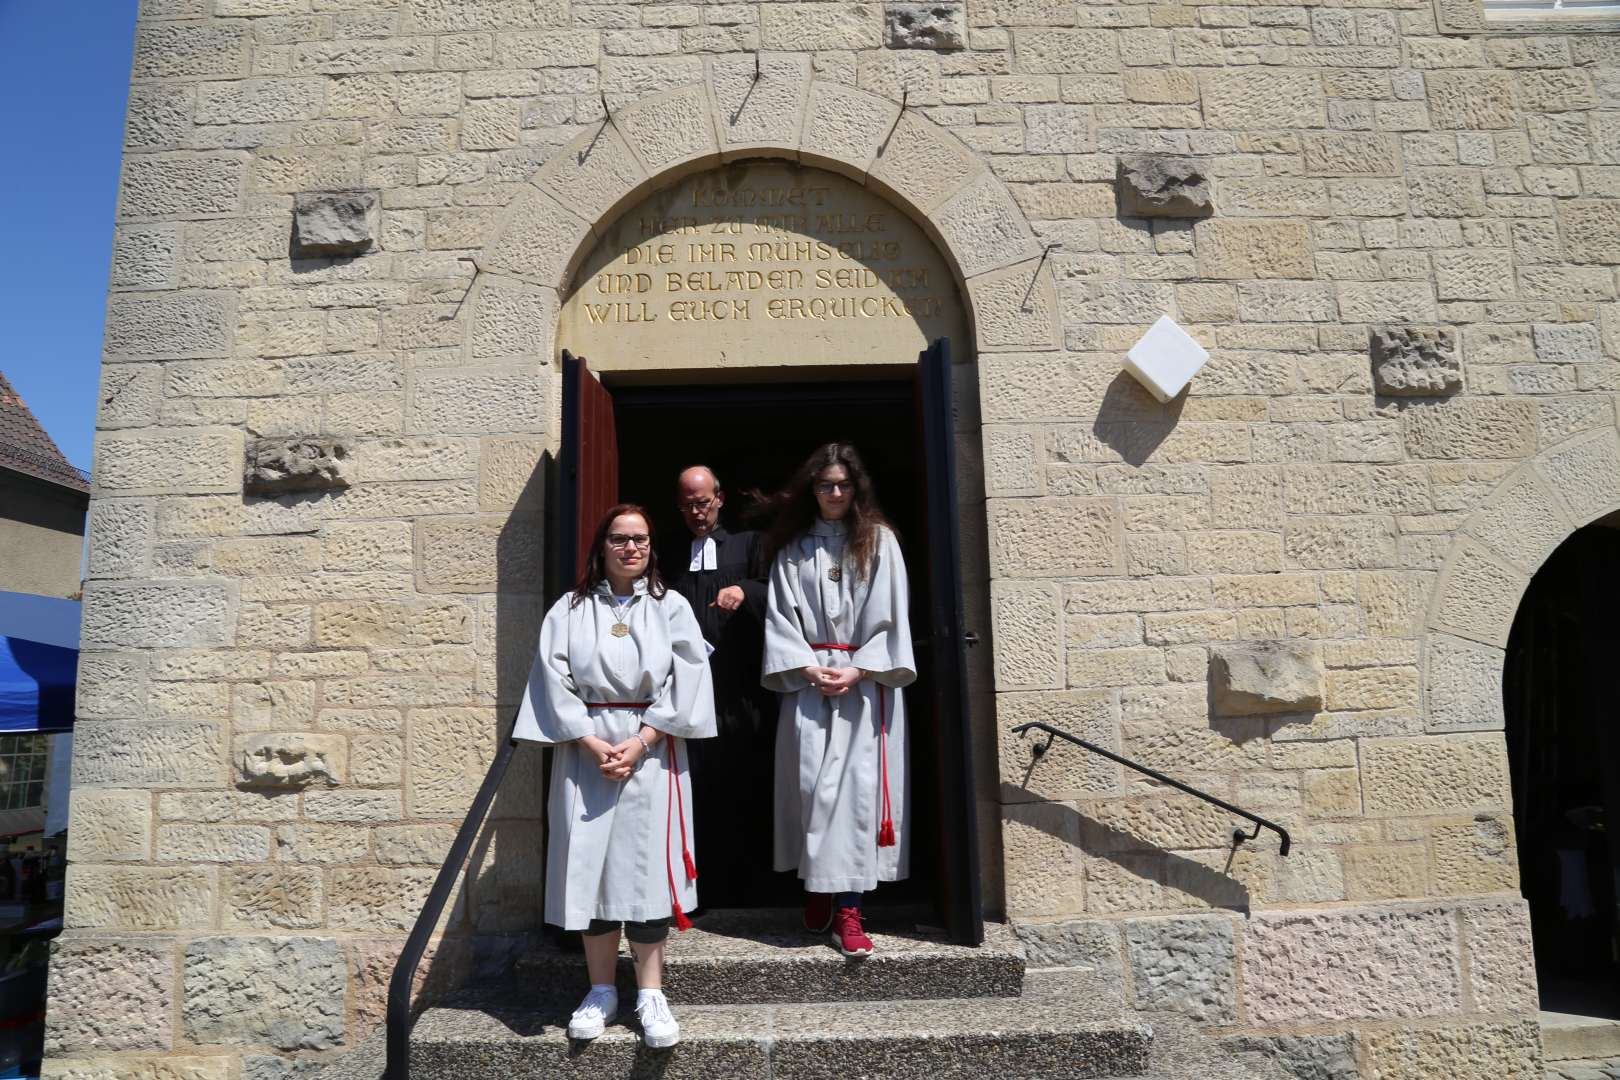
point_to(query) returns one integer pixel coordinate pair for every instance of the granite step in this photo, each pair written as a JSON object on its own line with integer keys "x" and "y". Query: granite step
{"x": 492, "y": 1032}
{"x": 762, "y": 957}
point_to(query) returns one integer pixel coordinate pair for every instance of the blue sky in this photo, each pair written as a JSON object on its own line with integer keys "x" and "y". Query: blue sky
{"x": 63, "y": 88}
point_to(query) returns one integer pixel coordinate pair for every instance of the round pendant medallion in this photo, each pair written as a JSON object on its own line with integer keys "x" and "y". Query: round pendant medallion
{"x": 621, "y": 630}
{"x": 834, "y": 574}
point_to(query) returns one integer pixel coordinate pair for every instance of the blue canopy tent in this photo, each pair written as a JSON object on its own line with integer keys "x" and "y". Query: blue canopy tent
{"x": 39, "y": 662}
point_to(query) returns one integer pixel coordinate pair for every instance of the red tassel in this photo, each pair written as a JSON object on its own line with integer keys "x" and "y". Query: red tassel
{"x": 886, "y": 834}
{"x": 691, "y": 868}
{"x": 682, "y": 923}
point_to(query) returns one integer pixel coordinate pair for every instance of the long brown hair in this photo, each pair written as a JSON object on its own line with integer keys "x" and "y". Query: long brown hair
{"x": 596, "y": 565}
{"x": 796, "y": 507}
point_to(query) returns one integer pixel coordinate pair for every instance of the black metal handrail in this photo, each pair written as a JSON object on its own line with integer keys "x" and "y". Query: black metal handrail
{"x": 1238, "y": 835}
{"x": 399, "y": 985}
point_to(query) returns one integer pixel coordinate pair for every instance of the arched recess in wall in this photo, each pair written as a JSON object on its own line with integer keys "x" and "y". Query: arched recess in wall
{"x": 945, "y": 189}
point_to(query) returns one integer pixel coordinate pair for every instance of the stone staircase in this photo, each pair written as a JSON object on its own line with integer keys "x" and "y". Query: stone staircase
{"x": 755, "y": 999}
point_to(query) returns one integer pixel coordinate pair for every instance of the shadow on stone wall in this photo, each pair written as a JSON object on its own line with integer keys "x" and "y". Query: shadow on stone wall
{"x": 1130, "y": 423}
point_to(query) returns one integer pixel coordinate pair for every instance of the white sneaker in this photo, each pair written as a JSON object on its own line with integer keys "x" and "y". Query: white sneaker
{"x": 658, "y": 1026}
{"x": 594, "y": 1014}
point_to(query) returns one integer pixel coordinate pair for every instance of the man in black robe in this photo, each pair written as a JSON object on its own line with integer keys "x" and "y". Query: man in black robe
{"x": 722, "y": 575}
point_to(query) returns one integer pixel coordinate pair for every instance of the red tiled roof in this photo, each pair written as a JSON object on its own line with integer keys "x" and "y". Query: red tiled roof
{"x": 26, "y": 448}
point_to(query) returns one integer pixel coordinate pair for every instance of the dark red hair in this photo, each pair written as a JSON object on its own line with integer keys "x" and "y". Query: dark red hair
{"x": 596, "y": 563}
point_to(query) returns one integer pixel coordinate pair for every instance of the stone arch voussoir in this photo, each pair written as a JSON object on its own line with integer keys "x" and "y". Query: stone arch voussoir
{"x": 1490, "y": 564}
{"x": 652, "y": 141}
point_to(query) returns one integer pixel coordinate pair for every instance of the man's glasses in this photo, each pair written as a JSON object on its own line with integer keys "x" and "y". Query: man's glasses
{"x": 624, "y": 540}
{"x": 827, "y": 487}
{"x": 696, "y": 506}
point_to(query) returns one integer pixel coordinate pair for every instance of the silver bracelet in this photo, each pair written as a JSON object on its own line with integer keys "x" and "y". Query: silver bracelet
{"x": 645, "y": 749}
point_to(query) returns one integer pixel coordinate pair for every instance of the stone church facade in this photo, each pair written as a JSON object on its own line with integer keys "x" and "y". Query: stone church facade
{"x": 315, "y": 535}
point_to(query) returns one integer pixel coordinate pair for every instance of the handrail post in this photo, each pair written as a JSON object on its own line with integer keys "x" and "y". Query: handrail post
{"x": 399, "y": 984}
{"x": 1237, "y": 837}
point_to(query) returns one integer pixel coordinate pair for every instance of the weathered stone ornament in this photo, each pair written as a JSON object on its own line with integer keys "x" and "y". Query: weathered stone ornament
{"x": 1162, "y": 186}
{"x": 290, "y": 760}
{"x": 1258, "y": 678}
{"x": 1165, "y": 359}
{"x": 295, "y": 463}
{"x": 924, "y": 26}
{"x": 328, "y": 224}
{"x": 1415, "y": 361}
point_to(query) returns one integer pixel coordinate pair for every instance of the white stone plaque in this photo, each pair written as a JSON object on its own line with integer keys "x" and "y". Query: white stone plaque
{"x": 1165, "y": 359}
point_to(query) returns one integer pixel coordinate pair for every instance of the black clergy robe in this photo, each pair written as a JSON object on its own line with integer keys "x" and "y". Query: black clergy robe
{"x": 732, "y": 774}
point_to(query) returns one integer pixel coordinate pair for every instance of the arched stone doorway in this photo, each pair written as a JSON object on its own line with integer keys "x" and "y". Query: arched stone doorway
{"x": 999, "y": 281}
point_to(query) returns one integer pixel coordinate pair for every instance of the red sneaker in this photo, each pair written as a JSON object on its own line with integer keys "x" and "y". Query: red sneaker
{"x": 818, "y": 912}
{"x": 847, "y": 935}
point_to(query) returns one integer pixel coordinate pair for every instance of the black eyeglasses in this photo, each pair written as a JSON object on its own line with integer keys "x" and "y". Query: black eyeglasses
{"x": 624, "y": 540}
{"x": 827, "y": 487}
{"x": 695, "y": 506}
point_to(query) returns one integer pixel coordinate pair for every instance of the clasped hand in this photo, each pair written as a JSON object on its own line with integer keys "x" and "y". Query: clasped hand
{"x": 831, "y": 681}
{"x": 616, "y": 762}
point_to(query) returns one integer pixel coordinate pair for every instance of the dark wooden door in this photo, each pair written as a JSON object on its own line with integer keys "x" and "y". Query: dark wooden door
{"x": 958, "y": 892}
{"x": 587, "y": 467}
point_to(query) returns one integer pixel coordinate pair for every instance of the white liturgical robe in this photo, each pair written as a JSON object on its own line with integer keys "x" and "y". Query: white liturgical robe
{"x": 616, "y": 847}
{"x": 832, "y": 753}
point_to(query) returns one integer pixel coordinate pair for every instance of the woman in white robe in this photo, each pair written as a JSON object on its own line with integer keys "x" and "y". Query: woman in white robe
{"x": 838, "y": 650}
{"x": 620, "y": 680}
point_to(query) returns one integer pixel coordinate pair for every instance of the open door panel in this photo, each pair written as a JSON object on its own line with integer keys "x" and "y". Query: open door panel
{"x": 958, "y": 891}
{"x": 587, "y": 467}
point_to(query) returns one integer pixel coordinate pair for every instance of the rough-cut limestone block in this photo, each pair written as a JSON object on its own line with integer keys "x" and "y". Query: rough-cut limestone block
{"x": 1473, "y": 275}
{"x": 769, "y": 113}
{"x": 1081, "y": 943}
{"x": 477, "y": 400}
{"x": 511, "y": 319}
{"x": 1060, "y": 129}
{"x": 352, "y": 57}
{"x": 1475, "y": 856}
{"x": 1162, "y": 186}
{"x": 1462, "y": 686}
{"x": 144, "y": 258}
{"x": 1349, "y": 964}
{"x": 287, "y": 992}
{"x": 1501, "y": 964}
{"x": 271, "y": 897}
{"x": 392, "y": 624}
{"x": 164, "y": 462}
{"x": 1523, "y": 522}
{"x": 146, "y": 754}
{"x": 414, "y": 845}
{"x": 844, "y": 127}
{"x": 449, "y": 751}
{"x": 1265, "y": 677}
{"x": 1028, "y": 635}
{"x": 1586, "y": 474}
{"x": 1308, "y": 1057}
{"x": 925, "y": 25}
{"x": 1250, "y": 99}
{"x": 1590, "y": 229}
{"x": 111, "y": 686}
{"x": 509, "y": 474}
{"x": 984, "y": 228}
{"x": 1471, "y": 100}
{"x": 1351, "y": 153}
{"x": 1415, "y": 361}
{"x": 1471, "y": 428}
{"x": 1063, "y": 51}
{"x": 295, "y": 463}
{"x": 110, "y": 825}
{"x": 1253, "y": 249}
{"x": 1055, "y": 537}
{"x": 1388, "y": 301}
{"x": 1481, "y": 1052}
{"x": 109, "y": 993}
{"x": 1154, "y": 823}
{"x": 922, "y": 164}
{"x": 538, "y": 240}
{"x": 483, "y": 554}
{"x": 170, "y": 325}
{"x": 330, "y": 224}
{"x": 592, "y": 174}
{"x": 139, "y": 897}
{"x": 1478, "y": 595}
{"x": 156, "y": 615}
{"x": 378, "y": 898}
{"x": 1063, "y": 771}
{"x": 1185, "y": 965}
{"x": 181, "y": 186}
{"x": 1045, "y": 866}
{"x": 1016, "y": 308}
{"x": 120, "y": 538}
{"x": 1385, "y": 872}
{"x": 816, "y": 27}
{"x": 213, "y": 843}
{"x": 290, "y": 759}
{"x": 670, "y": 129}
{"x": 1434, "y": 774}
{"x": 124, "y": 1067}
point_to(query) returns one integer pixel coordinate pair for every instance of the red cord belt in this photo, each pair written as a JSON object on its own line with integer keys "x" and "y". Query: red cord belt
{"x": 673, "y": 801}
{"x": 886, "y": 824}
